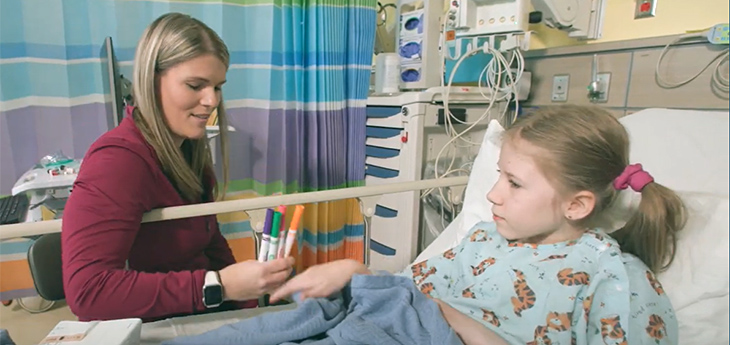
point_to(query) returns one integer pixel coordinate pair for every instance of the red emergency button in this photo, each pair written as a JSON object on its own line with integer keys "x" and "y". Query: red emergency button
{"x": 645, "y": 6}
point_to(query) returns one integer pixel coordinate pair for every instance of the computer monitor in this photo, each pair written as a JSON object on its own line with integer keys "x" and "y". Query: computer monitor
{"x": 112, "y": 82}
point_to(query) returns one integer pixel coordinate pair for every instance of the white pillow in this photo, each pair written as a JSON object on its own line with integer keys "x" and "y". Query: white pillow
{"x": 683, "y": 149}
{"x": 697, "y": 280}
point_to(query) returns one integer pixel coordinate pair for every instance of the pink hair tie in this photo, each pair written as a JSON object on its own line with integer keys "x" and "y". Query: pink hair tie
{"x": 633, "y": 176}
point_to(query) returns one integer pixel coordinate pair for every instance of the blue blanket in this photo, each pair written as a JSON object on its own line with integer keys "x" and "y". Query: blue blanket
{"x": 370, "y": 310}
{"x": 5, "y": 338}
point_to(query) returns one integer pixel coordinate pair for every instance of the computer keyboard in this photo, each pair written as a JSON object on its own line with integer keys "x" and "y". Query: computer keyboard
{"x": 13, "y": 209}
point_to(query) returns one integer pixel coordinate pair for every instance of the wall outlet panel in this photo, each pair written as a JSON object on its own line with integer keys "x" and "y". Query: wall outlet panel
{"x": 560, "y": 88}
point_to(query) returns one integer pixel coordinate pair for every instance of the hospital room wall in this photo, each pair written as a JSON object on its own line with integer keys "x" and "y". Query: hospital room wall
{"x": 631, "y": 66}
{"x": 629, "y": 50}
{"x": 672, "y": 17}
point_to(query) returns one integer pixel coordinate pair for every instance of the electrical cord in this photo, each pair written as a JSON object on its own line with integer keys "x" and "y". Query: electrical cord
{"x": 493, "y": 74}
{"x": 383, "y": 14}
{"x": 718, "y": 80}
{"x": 501, "y": 85}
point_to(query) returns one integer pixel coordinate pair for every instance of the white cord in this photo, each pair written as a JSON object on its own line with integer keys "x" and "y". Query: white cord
{"x": 495, "y": 70}
{"x": 450, "y": 130}
{"x": 497, "y": 67}
{"x": 718, "y": 80}
{"x": 448, "y": 116}
{"x": 721, "y": 82}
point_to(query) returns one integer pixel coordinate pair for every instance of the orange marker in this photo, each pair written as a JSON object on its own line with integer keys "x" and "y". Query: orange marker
{"x": 292, "y": 234}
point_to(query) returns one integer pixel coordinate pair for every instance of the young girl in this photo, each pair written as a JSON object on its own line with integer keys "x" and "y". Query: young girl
{"x": 542, "y": 272}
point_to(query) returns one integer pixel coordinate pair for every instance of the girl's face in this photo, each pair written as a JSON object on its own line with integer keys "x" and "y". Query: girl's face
{"x": 188, "y": 93}
{"x": 526, "y": 206}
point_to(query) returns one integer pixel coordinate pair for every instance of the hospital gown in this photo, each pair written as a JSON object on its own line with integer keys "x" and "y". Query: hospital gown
{"x": 579, "y": 292}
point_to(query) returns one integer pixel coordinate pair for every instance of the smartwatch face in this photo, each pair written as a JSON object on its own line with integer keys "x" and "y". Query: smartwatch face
{"x": 213, "y": 295}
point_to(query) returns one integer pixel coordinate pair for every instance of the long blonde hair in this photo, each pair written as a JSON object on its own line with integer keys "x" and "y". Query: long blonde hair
{"x": 587, "y": 148}
{"x": 171, "y": 39}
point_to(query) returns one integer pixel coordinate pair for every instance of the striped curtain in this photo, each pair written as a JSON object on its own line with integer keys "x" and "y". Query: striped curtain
{"x": 295, "y": 95}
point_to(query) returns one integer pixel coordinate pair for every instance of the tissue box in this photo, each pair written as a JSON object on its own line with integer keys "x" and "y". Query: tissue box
{"x": 113, "y": 332}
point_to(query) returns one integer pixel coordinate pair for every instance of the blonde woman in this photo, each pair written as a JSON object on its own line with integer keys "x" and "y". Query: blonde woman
{"x": 113, "y": 265}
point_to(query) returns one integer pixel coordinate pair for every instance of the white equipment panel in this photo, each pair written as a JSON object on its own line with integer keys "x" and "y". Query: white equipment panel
{"x": 403, "y": 133}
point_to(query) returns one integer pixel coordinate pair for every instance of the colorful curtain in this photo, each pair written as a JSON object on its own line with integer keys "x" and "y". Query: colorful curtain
{"x": 298, "y": 109}
{"x": 295, "y": 95}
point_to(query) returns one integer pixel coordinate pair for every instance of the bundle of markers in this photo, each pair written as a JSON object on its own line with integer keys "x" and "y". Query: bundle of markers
{"x": 276, "y": 241}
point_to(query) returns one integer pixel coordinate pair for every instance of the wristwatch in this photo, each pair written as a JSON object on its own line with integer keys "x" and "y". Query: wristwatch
{"x": 212, "y": 290}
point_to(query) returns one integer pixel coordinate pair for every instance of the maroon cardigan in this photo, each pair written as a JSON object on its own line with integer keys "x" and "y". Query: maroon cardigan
{"x": 119, "y": 180}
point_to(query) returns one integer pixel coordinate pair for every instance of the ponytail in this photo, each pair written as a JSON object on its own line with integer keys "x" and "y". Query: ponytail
{"x": 587, "y": 149}
{"x": 651, "y": 233}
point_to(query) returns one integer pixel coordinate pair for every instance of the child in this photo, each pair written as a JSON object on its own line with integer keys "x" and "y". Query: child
{"x": 542, "y": 273}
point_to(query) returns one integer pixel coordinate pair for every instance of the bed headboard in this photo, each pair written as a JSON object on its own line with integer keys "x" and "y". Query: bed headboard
{"x": 632, "y": 81}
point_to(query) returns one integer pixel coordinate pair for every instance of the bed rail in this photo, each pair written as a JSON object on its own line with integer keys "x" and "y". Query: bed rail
{"x": 177, "y": 212}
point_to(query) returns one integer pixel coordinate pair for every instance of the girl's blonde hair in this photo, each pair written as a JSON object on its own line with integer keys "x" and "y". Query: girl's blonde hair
{"x": 171, "y": 39}
{"x": 586, "y": 149}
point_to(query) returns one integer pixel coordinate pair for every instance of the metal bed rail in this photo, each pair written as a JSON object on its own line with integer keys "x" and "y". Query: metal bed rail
{"x": 186, "y": 211}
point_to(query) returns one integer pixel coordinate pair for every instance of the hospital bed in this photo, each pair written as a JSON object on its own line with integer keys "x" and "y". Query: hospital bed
{"x": 685, "y": 150}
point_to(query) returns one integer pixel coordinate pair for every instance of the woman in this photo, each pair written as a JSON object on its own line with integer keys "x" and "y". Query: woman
{"x": 113, "y": 265}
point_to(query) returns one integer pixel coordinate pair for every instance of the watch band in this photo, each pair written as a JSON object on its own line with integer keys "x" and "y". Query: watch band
{"x": 213, "y": 294}
{"x": 212, "y": 278}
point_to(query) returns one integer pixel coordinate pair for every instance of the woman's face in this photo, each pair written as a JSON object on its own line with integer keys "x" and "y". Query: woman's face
{"x": 188, "y": 93}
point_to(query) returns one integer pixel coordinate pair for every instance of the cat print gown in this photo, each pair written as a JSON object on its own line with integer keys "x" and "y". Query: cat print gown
{"x": 578, "y": 292}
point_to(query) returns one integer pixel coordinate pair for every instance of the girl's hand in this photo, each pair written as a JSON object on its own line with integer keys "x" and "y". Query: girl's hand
{"x": 320, "y": 280}
{"x": 252, "y": 279}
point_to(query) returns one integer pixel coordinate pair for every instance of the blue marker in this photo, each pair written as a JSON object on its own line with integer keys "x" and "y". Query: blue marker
{"x": 266, "y": 238}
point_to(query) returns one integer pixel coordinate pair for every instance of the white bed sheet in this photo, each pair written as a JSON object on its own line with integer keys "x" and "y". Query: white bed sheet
{"x": 153, "y": 333}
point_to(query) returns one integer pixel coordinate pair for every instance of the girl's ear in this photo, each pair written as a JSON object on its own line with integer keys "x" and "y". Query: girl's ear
{"x": 580, "y": 205}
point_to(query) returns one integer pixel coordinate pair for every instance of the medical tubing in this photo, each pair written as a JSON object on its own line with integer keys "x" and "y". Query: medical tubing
{"x": 717, "y": 78}
{"x": 447, "y": 117}
{"x": 498, "y": 62}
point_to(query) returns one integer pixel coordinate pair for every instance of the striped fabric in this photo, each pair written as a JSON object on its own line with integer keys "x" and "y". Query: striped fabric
{"x": 327, "y": 233}
{"x": 295, "y": 95}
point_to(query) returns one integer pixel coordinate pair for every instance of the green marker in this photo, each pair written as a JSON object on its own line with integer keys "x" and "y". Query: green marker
{"x": 274, "y": 246}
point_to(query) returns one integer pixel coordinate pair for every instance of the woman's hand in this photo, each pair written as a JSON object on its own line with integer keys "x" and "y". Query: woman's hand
{"x": 320, "y": 280}
{"x": 251, "y": 279}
